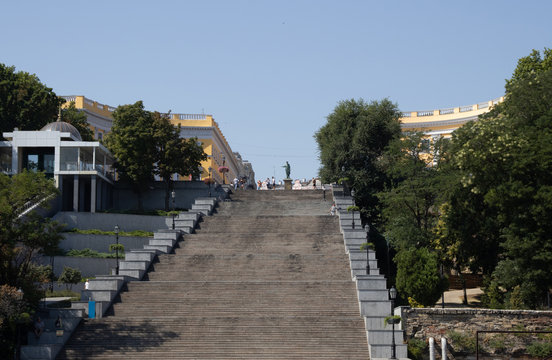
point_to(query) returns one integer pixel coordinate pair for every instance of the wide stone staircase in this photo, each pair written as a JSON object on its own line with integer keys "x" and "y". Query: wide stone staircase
{"x": 266, "y": 277}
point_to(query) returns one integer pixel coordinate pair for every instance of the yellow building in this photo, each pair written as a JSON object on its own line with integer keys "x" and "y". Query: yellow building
{"x": 202, "y": 126}
{"x": 443, "y": 122}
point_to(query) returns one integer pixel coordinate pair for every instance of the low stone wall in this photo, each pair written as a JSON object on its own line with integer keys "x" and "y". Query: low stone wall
{"x": 423, "y": 323}
{"x": 107, "y": 222}
{"x": 89, "y": 267}
{"x": 434, "y": 322}
{"x": 154, "y": 197}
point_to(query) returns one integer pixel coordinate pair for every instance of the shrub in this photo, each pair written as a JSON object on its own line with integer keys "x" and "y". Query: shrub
{"x": 462, "y": 342}
{"x": 416, "y": 349}
{"x": 366, "y": 245}
{"x": 540, "y": 349}
{"x": 70, "y": 276}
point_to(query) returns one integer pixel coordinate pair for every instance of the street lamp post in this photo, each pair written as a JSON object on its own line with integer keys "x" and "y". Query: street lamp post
{"x": 392, "y": 296}
{"x": 117, "y": 248}
{"x": 367, "y": 229}
{"x": 353, "y": 196}
{"x": 210, "y": 169}
{"x": 173, "y": 195}
{"x": 223, "y": 163}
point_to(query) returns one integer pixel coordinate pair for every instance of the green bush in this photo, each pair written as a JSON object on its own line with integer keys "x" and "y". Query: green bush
{"x": 498, "y": 343}
{"x": 416, "y": 349}
{"x": 540, "y": 349}
{"x": 462, "y": 342}
{"x": 365, "y": 245}
{"x": 70, "y": 276}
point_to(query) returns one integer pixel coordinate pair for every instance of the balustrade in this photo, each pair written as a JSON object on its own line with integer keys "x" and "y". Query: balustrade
{"x": 425, "y": 113}
{"x": 446, "y": 111}
{"x": 406, "y": 114}
{"x": 192, "y": 116}
{"x": 483, "y": 105}
{"x": 466, "y": 108}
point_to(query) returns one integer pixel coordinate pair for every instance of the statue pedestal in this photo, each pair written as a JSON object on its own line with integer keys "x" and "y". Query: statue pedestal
{"x": 287, "y": 184}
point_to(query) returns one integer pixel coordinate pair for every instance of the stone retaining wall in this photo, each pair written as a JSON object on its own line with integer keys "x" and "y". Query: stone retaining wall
{"x": 423, "y": 323}
{"x": 434, "y": 322}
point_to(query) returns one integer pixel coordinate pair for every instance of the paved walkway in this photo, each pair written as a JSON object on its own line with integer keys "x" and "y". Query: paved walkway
{"x": 453, "y": 298}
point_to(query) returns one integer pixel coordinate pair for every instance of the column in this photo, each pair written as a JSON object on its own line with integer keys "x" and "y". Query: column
{"x": 93, "y": 194}
{"x": 75, "y": 193}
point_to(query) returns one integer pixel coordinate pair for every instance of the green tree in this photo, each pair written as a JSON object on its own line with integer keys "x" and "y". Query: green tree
{"x": 69, "y": 277}
{"x": 131, "y": 142}
{"x": 78, "y": 119}
{"x": 25, "y": 102}
{"x": 174, "y": 155}
{"x": 350, "y": 143}
{"x": 418, "y": 275}
{"x": 410, "y": 201}
{"x": 22, "y": 238}
{"x": 502, "y": 205}
{"x": 13, "y": 313}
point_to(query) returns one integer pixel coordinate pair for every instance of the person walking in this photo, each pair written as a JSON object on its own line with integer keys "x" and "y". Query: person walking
{"x": 273, "y": 183}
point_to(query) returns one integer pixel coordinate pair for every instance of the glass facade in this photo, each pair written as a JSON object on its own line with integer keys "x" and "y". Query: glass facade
{"x": 6, "y": 160}
{"x": 69, "y": 159}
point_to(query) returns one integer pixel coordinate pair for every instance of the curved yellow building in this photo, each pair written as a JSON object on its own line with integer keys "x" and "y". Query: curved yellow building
{"x": 443, "y": 122}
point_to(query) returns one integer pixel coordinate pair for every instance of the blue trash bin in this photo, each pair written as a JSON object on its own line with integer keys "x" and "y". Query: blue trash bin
{"x": 91, "y": 309}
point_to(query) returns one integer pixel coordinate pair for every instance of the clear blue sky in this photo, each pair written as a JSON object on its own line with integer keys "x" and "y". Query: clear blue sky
{"x": 271, "y": 71}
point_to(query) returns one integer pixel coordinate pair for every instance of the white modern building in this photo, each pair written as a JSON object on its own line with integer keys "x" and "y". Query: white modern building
{"x": 82, "y": 170}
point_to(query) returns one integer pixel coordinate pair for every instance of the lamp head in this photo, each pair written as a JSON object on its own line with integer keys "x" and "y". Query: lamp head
{"x": 173, "y": 194}
{"x": 393, "y": 293}
{"x": 116, "y": 229}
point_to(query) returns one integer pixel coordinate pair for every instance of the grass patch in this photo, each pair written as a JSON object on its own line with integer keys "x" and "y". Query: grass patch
{"x": 138, "y": 233}
{"x": 75, "y": 296}
{"x": 89, "y": 253}
{"x": 142, "y": 212}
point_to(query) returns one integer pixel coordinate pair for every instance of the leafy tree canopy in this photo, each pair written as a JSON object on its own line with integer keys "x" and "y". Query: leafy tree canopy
{"x": 502, "y": 205}
{"x": 174, "y": 154}
{"x": 25, "y": 102}
{"x": 78, "y": 119}
{"x": 22, "y": 238}
{"x": 354, "y": 136}
{"x": 130, "y": 141}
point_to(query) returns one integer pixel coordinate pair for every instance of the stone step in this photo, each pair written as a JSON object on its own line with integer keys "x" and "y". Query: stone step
{"x": 134, "y": 265}
{"x": 137, "y": 255}
{"x": 384, "y": 351}
{"x": 381, "y": 336}
{"x": 266, "y": 277}
{"x": 159, "y": 248}
{"x": 105, "y": 284}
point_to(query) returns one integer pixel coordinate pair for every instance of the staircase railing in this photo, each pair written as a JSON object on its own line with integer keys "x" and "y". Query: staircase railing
{"x": 32, "y": 204}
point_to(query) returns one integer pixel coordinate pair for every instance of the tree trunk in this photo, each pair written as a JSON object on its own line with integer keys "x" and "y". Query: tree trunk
{"x": 463, "y": 280}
